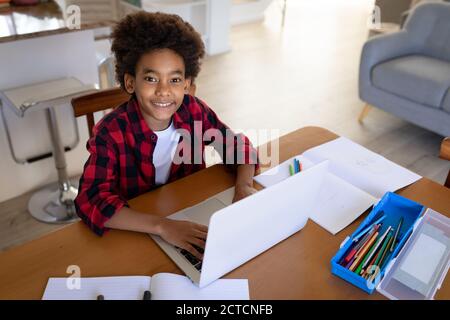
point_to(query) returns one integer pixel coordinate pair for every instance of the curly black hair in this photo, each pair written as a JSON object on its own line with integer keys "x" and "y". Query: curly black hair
{"x": 142, "y": 32}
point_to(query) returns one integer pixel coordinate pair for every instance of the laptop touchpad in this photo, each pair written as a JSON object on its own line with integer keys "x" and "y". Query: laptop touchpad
{"x": 200, "y": 213}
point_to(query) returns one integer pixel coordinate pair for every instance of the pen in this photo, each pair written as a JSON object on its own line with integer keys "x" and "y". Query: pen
{"x": 296, "y": 167}
{"x": 147, "y": 295}
{"x": 396, "y": 234}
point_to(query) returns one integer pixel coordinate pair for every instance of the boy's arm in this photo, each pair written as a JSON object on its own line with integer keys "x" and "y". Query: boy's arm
{"x": 182, "y": 234}
{"x": 244, "y": 181}
{"x": 98, "y": 198}
{"x": 101, "y": 207}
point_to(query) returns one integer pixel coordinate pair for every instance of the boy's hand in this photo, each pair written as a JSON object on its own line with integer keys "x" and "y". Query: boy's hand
{"x": 184, "y": 234}
{"x": 242, "y": 191}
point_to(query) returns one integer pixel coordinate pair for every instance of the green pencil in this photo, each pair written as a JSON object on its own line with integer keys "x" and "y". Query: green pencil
{"x": 291, "y": 170}
{"x": 372, "y": 251}
{"x": 385, "y": 254}
{"x": 381, "y": 254}
{"x": 358, "y": 270}
{"x": 383, "y": 248}
{"x": 396, "y": 234}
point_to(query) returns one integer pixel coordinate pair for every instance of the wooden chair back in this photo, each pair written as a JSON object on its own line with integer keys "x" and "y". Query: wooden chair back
{"x": 88, "y": 104}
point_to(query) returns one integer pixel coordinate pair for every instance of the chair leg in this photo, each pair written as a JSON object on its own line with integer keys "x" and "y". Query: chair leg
{"x": 55, "y": 203}
{"x": 364, "y": 112}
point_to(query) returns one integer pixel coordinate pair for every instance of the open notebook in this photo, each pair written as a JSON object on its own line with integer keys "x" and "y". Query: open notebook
{"x": 357, "y": 178}
{"x": 163, "y": 286}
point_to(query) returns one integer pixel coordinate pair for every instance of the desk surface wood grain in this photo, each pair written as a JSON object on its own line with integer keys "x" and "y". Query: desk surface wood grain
{"x": 296, "y": 268}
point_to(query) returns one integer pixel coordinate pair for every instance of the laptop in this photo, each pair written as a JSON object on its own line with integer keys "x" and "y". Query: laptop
{"x": 238, "y": 232}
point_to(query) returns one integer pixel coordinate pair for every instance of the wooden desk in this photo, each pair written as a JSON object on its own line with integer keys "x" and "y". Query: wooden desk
{"x": 297, "y": 268}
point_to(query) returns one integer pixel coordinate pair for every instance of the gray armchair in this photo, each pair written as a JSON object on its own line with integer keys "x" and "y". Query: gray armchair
{"x": 407, "y": 73}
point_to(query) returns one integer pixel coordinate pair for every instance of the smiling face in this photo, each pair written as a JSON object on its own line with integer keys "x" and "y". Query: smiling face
{"x": 159, "y": 85}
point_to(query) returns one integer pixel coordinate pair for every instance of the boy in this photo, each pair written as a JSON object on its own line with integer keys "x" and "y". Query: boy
{"x": 133, "y": 147}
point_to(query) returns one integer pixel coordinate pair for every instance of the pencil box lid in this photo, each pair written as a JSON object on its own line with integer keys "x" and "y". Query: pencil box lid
{"x": 419, "y": 269}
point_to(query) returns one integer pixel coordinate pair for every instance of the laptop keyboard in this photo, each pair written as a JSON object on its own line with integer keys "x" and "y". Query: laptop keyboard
{"x": 191, "y": 258}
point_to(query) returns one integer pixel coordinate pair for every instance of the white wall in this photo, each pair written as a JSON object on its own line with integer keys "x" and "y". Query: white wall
{"x": 245, "y": 12}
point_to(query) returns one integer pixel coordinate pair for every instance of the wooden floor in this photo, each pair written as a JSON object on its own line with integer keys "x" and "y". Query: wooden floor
{"x": 286, "y": 78}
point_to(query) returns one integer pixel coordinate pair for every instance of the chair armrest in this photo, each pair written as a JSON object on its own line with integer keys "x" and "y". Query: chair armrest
{"x": 382, "y": 48}
{"x": 445, "y": 149}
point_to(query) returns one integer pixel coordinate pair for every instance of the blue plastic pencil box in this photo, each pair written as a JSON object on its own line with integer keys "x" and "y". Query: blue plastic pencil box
{"x": 393, "y": 206}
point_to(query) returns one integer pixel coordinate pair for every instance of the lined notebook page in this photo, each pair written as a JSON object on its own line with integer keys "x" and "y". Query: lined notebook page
{"x": 168, "y": 286}
{"x": 112, "y": 288}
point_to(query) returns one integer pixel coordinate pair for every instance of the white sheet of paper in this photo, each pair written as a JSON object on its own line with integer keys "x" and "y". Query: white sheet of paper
{"x": 167, "y": 286}
{"x": 339, "y": 203}
{"x": 271, "y": 215}
{"x": 279, "y": 173}
{"x": 361, "y": 167}
{"x": 423, "y": 258}
{"x": 112, "y": 288}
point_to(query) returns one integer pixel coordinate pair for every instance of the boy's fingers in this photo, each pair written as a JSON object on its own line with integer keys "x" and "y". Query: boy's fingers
{"x": 201, "y": 227}
{"x": 200, "y": 234}
{"x": 198, "y": 242}
{"x": 193, "y": 251}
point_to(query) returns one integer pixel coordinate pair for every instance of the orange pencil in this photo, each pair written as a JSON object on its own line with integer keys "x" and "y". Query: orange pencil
{"x": 364, "y": 271}
{"x": 370, "y": 234}
{"x": 364, "y": 251}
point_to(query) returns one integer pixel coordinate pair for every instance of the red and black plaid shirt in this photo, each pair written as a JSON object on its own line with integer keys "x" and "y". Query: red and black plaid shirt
{"x": 121, "y": 151}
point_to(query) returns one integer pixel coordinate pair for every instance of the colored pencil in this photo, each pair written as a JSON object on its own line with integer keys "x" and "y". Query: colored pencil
{"x": 356, "y": 247}
{"x": 384, "y": 247}
{"x": 375, "y": 248}
{"x": 347, "y": 266}
{"x": 355, "y": 238}
{"x": 291, "y": 170}
{"x": 380, "y": 263}
{"x": 369, "y": 236}
{"x": 364, "y": 250}
{"x": 381, "y": 255}
{"x": 376, "y": 260}
{"x": 396, "y": 234}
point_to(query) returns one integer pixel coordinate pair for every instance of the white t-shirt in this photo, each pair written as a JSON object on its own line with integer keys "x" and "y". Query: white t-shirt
{"x": 164, "y": 151}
